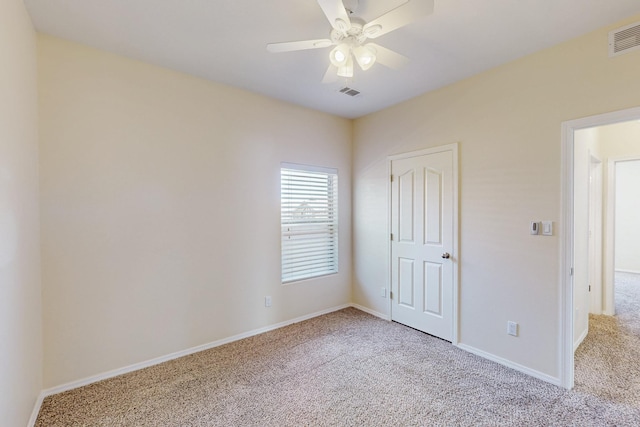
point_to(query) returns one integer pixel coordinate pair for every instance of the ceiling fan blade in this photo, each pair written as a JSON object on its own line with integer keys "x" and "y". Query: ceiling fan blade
{"x": 336, "y": 14}
{"x": 398, "y": 17}
{"x": 299, "y": 45}
{"x": 331, "y": 75}
{"x": 388, "y": 58}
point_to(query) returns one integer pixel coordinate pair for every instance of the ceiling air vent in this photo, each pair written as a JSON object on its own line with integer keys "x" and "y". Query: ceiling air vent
{"x": 349, "y": 91}
{"x": 624, "y": 40}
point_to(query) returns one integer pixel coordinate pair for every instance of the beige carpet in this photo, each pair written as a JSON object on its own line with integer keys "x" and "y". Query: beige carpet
{"x": 608, "y": 360}
{"x": 350, "y": 369}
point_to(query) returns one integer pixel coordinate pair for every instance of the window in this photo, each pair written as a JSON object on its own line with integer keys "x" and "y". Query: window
{"x": 309, "y": 221}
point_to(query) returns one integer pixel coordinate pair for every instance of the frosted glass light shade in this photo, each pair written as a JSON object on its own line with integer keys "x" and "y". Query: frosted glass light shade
{"x": 339, "y": 56}
{"x": 365, "y": 56}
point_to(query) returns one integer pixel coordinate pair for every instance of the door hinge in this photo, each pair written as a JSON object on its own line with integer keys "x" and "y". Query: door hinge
{"x": 571, "y": 272}
{"x": 589, "y": 288}
{"x": 390, "y": 295}
{"x": 392, "y": 237}
{"x": 391, "y": 178}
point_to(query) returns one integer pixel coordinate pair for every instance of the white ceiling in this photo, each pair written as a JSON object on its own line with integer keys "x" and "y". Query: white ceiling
{"x": 225, "y": 41}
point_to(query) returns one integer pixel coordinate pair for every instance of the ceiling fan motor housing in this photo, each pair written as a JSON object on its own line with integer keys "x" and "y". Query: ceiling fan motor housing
{"x": 354, "y": 35}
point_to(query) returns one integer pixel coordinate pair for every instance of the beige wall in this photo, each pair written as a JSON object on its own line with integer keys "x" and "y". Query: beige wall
{"x": 507, "y": 121}
{"x": 160, "y": 210}
{"x": 20, "y": 301}
{"x": 620, "y": 140}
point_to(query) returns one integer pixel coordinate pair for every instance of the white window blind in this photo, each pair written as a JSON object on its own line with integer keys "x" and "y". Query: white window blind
{"x": 309, "y": 220}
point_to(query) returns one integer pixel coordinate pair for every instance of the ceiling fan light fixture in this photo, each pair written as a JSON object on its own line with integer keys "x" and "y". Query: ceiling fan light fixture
{"x": 365, "y": 56}
{"x": 346, "y": 70}
{"x": 340, "y": 55}
{"x": 349, "y": 34}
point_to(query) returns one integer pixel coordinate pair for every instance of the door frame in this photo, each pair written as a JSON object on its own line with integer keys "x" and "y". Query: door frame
{"x": 568, "y": 128}
{"x": 595, "y": 225}
{"x": 455, "y": 256}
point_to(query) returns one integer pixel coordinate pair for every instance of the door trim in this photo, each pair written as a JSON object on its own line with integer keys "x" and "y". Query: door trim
{"x": 455, "y": 256}
{"x": 596, "y": 204}
{"x": 565, "y": 348}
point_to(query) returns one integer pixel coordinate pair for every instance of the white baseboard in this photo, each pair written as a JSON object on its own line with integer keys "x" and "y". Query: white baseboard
{"x": 581, "y": 338}
{"x": 137, "y": 366}
{"x": 141, "y": 365}
{"x": 36, "y": 409}
{"x": 370, "y": 311}
{"x": 512, "y": 365}
{"x": 620, "y": 270}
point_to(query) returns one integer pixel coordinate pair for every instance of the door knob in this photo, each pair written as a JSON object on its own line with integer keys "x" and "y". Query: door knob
{"x": 446, "y": 255}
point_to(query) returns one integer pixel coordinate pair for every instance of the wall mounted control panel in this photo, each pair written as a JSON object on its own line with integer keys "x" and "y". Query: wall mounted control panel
{"x": 534, "y": 227}
{"x": 541, "y": 227}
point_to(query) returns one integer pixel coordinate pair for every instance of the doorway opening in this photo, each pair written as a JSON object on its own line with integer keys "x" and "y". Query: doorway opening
{"x": 595, "y": 150}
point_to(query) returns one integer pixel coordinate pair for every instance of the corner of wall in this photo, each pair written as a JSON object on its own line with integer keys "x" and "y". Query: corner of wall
{"x": 21, "y": 290}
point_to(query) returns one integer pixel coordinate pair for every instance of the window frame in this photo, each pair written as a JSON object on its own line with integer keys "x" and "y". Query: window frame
{"x": 309, "y": 224}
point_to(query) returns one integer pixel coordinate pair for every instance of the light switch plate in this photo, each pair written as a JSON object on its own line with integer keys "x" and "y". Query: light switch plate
{"x": 547, "y": 228}
{"x": 512, "y": 328}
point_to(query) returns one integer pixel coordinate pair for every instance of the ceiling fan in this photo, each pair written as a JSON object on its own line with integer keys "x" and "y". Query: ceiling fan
{"x": 350, "y": 35}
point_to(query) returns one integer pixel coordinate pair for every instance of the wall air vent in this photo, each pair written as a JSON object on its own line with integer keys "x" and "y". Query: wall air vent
{"x": 349, "y": 91}
{"x": 624, "y": 40}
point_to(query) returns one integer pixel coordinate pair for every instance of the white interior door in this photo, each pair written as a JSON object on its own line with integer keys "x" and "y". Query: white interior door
{"x": 422, "y": 246}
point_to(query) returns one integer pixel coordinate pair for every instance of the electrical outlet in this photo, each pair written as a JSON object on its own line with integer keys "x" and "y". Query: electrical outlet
{"x": 267, "y": 301}
{"x": 512, "y": 328}
{"x": 383, "y": 292}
